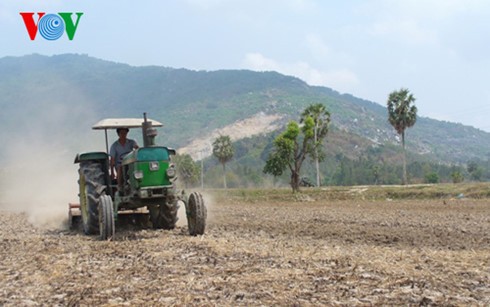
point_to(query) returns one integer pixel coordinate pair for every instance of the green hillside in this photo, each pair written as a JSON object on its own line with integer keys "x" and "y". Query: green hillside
{"x": 61, "y": 96}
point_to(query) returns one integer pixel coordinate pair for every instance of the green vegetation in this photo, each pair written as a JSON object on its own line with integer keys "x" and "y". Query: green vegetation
{"x": 402, "y": 114}
{"x": 432, "y": 178}
{"x": 223, "y": 150}
{"x": 379, "y": 165}
{"x": 288, "y": 153}
{"x": 193, "y": 103}
{"x": 457, "y": 177}
{"x": 293, "y": 145}
{"x": 445, "y": 192}
{"x": 475, "y": 171}
{"x": 69, "y": 93}
{"x": 321, "y": 117}
{"x": 188, "y": 171}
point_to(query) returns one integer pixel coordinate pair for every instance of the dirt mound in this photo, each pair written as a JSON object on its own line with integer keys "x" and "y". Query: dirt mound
{"x": 255, "y": 125}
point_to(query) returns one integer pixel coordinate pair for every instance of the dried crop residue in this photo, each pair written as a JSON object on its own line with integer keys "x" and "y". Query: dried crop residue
{"x": 277, "y": 253}
{"x": 255, "y": 125}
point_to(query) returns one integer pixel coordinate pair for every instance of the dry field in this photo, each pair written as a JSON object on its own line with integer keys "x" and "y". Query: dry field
{"x": 255, "y": 252}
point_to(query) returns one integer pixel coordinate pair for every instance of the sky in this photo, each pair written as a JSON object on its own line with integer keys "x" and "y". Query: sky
{"x": 438, "y": 49}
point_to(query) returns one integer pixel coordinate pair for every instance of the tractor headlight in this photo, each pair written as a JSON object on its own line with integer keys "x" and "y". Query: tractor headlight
{"x": 171, "y": 172}
{"x": 138, "y": 175}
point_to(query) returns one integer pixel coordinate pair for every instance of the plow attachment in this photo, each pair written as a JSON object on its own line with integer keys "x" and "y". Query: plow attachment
{"x": 139, "y": 217}
{"x": 74, "y": 215}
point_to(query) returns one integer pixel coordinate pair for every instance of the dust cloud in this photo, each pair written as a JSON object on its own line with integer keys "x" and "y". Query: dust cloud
{"x": 39, "y": 183}
{"x": 37, "y": 172}
{"x": 209, "y": 202}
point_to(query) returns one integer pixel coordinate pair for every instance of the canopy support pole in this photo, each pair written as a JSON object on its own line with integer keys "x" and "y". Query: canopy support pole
{"x": 106, "y": 142}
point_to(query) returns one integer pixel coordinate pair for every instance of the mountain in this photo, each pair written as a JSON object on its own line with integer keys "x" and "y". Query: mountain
{"x": 62, "y": 96}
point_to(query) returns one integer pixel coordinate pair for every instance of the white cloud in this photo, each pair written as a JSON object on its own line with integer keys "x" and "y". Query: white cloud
{"x": 342, "y": 80}
{"x": 256, "y": 61}
{"x": 420, "y": 22}
{"x": 317, "y": 46}
{"x": 405, "y": 30}
{"x": 435, "y": 9}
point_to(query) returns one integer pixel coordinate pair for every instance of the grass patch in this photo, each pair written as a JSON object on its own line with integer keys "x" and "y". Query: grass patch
{"x": 425, "y": 191}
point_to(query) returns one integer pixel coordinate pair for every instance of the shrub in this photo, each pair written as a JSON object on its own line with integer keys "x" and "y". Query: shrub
{"x": 432, "y": 178}
{"x": 457, "y": 177}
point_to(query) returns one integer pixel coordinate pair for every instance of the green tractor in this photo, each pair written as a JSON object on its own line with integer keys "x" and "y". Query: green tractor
{"x": 148, "y": 189}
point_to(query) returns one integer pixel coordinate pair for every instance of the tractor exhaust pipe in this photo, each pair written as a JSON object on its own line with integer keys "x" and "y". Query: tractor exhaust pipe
{"x": 149, "y": 133}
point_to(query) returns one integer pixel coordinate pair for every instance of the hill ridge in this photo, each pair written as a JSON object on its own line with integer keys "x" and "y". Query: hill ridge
{"x": 194, "y": 103}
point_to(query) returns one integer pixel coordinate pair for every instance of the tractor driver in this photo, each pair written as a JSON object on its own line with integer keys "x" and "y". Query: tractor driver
{"x": 119, "y": 149}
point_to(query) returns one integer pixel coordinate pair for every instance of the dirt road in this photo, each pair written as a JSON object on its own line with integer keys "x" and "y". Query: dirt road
{"x": 279, "y": 253}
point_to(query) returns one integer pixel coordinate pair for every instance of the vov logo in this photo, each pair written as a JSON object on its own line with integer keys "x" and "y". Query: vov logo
{"x": 51, "y": 26}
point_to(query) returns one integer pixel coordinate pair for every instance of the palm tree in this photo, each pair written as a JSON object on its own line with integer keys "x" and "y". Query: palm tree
{"x": 321, "y": 117}
{"x": 224, "y": 151}
{"x": 402, "y": 114}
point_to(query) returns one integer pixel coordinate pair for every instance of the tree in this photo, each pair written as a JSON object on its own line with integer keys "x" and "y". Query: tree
{"x": 457, "y": 177}
{"x": 223, "y": 150}
{"x": 476, "y": 172}
{"x": 432, "y": 177}
{"x": 321, "y": 117}
{"x": 291, "y": 148}
{"x": 376, "y": 173}
{"x": 402, "y": 114}
{"x": 187, "y": 169}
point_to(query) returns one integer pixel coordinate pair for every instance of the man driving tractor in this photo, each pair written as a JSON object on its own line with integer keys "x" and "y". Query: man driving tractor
{"x": 119, "y": 149}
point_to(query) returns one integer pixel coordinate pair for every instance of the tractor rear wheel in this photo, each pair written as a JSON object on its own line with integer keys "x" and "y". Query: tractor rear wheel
{"x": 164, "y": 216}
{"x": 92, "y": 187}
{"x": 106, "y": 218}
{"x": 196, "y": 214}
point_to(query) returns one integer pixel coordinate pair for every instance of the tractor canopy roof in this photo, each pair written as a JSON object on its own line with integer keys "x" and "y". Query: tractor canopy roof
{"x": 114, "y": 123}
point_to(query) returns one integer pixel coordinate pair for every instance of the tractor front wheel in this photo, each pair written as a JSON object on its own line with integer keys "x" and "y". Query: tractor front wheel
{"x": 196, "y": 214}
{"x": 106, "y": 218}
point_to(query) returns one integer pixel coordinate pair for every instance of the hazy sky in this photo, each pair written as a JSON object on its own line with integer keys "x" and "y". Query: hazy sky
{"x": 439, "y": 49}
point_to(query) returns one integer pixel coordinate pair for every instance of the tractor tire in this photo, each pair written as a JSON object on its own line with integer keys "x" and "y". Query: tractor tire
{"x": 92, "y": 187}
{"x": 196, "y": 214}
{"x": 106, "y": 218}
{"x": 164, "y": 216}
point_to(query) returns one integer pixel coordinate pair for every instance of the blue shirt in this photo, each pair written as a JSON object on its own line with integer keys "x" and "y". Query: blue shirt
{"x": 118, "y": 151}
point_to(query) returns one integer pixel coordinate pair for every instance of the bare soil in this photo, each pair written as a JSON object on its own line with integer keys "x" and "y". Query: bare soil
{"x": 419, "y": 252}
